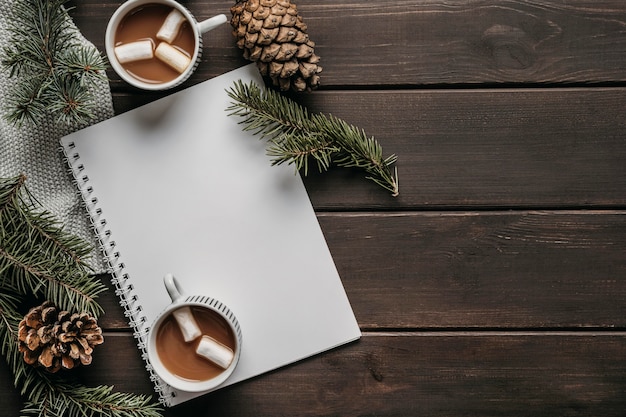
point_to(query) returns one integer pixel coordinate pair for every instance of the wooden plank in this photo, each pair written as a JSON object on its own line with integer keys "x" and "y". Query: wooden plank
{"x": 524, "y": 270}
{"x": 434, "y": 374}
{"x": 432, "y": 42}
{"x": 10, "y": 400}
{"x": 415, "y": 42}
{"x": 520, "y": 148}
{"x": 482, "y": 270}
{"x": 486, "y": 148}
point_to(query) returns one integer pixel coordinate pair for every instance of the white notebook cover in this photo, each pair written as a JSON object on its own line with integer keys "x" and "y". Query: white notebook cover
{"x": 177, "y": 186}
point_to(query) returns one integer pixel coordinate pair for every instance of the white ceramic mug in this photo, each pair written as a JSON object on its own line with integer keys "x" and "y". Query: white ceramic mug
{"x": 179, "y": 299}
{"x": 198, "y": 28}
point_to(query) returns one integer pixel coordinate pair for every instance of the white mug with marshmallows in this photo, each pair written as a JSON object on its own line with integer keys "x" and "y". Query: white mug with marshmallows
{"x": 158, "y": 48}
{"x": 195, "y": 342}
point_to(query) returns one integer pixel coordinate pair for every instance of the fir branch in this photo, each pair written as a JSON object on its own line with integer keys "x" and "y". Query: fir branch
{"x": 54, "y": 251}
{"x": 295, "y": 136}
{"x": 56, "y": 73}
{"x": 65, "y": 399}
{"x": 38, "y": 257}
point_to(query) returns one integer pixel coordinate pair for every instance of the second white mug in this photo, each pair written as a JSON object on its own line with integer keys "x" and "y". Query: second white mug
{"x": 191, "y": 361}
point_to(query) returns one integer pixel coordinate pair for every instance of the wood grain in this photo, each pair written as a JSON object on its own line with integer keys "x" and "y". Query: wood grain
{"x": 486, "y": 148}
{"x": 10, "y": 400}
{"x": 414, "y": 42}
{"x": 482, "y": 270}
{"x": 434, "y": 374}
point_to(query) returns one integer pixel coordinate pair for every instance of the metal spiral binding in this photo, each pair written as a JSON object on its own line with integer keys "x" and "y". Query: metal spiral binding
{"x": 115, "y": 266}
{"x": 142, "y": 335}
{"x": 124, "y": 291}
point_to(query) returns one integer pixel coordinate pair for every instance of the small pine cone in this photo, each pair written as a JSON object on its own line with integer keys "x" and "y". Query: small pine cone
{"x": 272, "y": 34}
{"x": 57, "y": 339}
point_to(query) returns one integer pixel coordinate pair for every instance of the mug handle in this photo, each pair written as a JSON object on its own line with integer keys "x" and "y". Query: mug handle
{"x": 211, "y": 23}
{"x": 173, "y": 287}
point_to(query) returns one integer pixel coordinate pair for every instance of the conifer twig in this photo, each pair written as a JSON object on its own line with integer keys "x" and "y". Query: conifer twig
{"x": 54, "y": 72}
{"x": 39, "y": 259}
{"x": 295, "y": 136}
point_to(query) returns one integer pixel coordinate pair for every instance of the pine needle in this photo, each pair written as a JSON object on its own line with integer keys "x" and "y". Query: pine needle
{"x": 295, "y": 137}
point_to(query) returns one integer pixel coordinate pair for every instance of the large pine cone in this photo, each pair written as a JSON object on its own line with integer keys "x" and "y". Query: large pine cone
{"x": 272, "y": 34}
{"x": 58, "y": 339}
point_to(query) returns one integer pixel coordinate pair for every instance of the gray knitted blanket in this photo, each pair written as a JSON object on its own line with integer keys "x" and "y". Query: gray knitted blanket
{"x": 35, "y": 152}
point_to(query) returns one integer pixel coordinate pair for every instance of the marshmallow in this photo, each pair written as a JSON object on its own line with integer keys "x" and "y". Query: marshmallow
{"x": 134, "y": 51}
{"x": 215, "y": 352}
{"x": 171, "y": 26}
{"x": 172, "y": 57}
{"x": 187, "y": 324}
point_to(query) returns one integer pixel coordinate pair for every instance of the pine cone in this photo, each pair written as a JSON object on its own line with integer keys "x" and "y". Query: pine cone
{"x": 57, "y": 339}
{"x": 272, "y": 34}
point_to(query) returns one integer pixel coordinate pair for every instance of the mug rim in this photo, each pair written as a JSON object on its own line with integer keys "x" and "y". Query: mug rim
{"x": 172, "y": 379}
{"x": 109, "y": 44}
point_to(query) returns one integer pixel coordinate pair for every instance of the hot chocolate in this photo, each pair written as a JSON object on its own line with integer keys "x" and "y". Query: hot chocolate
{"x": 180, "y": 357}
{"x": 138, "y": 30}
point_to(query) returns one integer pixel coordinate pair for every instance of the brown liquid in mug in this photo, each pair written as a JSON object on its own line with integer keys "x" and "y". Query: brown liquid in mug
{"x": 143, "y": 23}
{"x": 179, "y": 357}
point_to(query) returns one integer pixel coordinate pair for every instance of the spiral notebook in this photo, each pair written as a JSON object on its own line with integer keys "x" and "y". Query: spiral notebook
{"x": 178, "y": 186}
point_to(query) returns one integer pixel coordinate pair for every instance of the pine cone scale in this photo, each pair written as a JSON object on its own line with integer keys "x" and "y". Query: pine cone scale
{"x": 288, "y": 20}
{"x": 67, "y": 362}
{"x": 32, "y": 340}
{"x": 251, "y": 5}
{"x": 286, "y": 34}
{"x": 46, "y": 357}
{"x": 261, "y": 13}
{"x": 278, "y": 10}
{"x": 74, "y": 352}
{"x": 34, "y": 320}
{"x": 31, "y": 357}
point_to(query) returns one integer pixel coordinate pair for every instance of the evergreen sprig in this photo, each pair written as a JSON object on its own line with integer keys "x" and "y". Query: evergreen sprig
{"x": 56, "y": 72}
{"x": 39, "y": 260}
{"x": 38, "y": 257}
{"x": 296, "y": 137}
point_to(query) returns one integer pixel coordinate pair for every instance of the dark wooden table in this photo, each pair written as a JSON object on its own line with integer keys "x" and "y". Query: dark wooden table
{"x": 495, "y": 284}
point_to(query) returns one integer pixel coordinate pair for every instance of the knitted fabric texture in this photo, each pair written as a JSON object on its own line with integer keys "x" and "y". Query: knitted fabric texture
{"x": 34, "y": 150}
